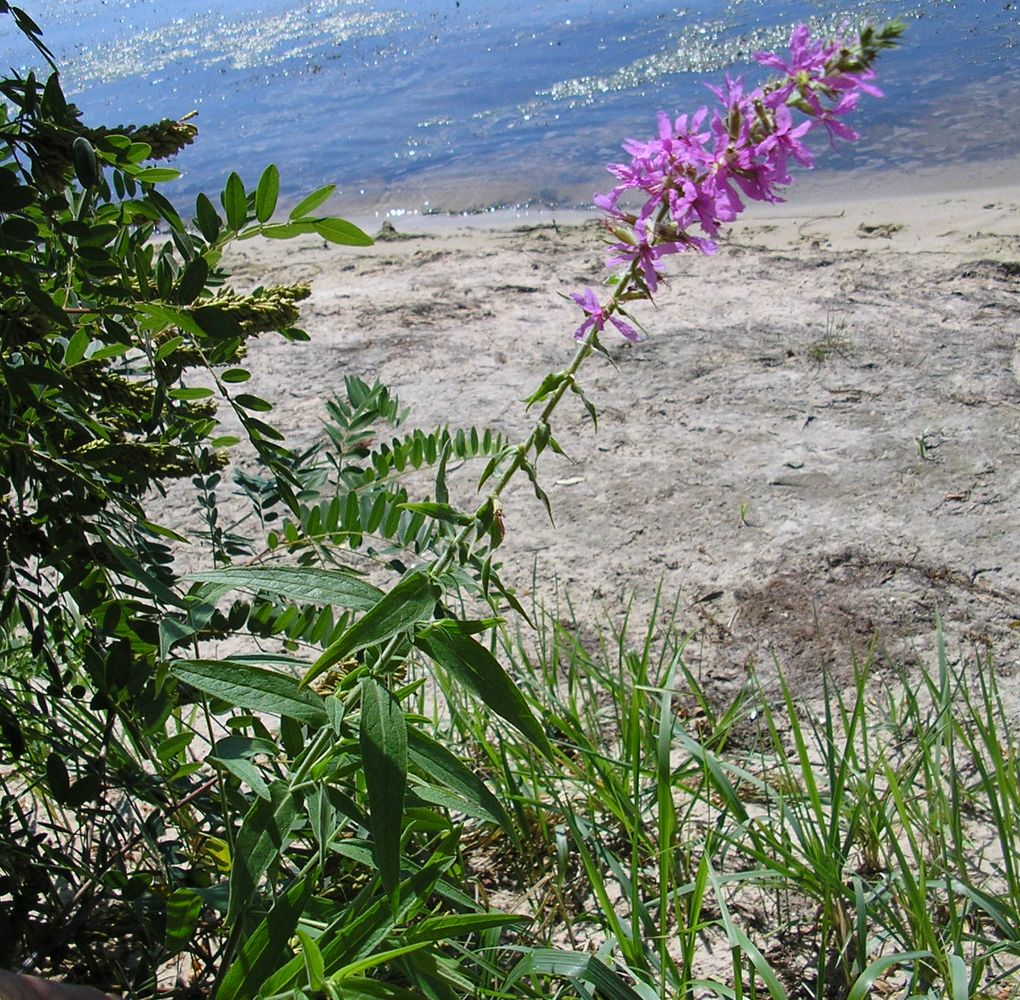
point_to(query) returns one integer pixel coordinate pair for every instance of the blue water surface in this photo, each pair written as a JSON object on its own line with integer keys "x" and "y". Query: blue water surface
{"x": 426, "y": 106}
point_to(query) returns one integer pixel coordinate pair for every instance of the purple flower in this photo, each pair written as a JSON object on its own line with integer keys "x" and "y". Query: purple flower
{"x": 695, "y": 170}
{"x": 806, "y": 56}
{"x": 596, "y": 317}
{"x": 645, "y": 256}
{"x": 782, "y": 142}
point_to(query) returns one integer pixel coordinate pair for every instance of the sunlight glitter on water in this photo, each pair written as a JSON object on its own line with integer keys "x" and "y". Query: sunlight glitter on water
{"x": 474, "y": 104}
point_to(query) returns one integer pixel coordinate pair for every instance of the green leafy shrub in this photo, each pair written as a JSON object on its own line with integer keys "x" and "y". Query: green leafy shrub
{"x": 119, "y": 334}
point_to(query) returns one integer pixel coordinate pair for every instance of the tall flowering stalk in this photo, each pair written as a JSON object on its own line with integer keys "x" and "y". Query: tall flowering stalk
{"x": 695, "y": 175}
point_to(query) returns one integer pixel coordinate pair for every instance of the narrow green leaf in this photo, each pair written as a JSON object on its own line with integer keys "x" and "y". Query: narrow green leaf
{"x": 168, "y": 348}
{"x": 739, "y": 940}
{"x": 480, "y": 672}
{"x": 255, "y": 403}
{"x": 252, "y": 687}
{"x": 171, "y": 632}
{"x": 262, "y": 839}
{"x": 440, "y": 511}
{"x": 234, "y": 753}
{"x": 183, "y": 909}
{"x": 445, "y": 767}
{"x": 411, "y": 601}
{"x": 169, "y": 213}
{"x": 266, "y": 193}
{"x": 110, "y": 351}
{"x": 86, "y": 168}
{"x": 549, "y": 385}
{"x": 216, "y": 322}
{"x": 343, "y": 232}
{"x": 173, "y": 745}
{"x": 190, "y": 393}
{"x": 154, "y": 318}
{"x": 384, "y": 756}
{"x": 57, "y": 777}
{"x": 193, "y": 280}
{"x": 311, "y": 585}
{"x": 958, "y": 980}
{"x": 588, "y": 404}
{"x": 76, "y": 347}
{"x": 442, "y": 490}
{"x": 137, "y": 152}
{"x": 235, "y": 202}
{"x": 866, "y": 980}
{"x": 575, "y": 966}
{"x": 288, "y": 230}
{"x": 261, "y": 953}
{"x": 455, "y": 924}
{"x": 312, "y": 202}
{"x": 314, "y": 965}
{"x": 374, "y": 960}
{"x": 730, "y": 797}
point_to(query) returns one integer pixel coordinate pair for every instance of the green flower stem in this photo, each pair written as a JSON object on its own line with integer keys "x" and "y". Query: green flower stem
{"x": 863, "y": 54}
{"x": 523, "y": 450}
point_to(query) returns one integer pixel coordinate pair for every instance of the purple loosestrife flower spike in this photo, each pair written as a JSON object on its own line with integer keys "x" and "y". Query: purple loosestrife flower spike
{"x": 695, "y": 170}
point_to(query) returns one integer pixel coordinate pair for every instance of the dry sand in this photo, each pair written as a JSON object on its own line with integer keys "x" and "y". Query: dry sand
{"x": 814, "y": 447}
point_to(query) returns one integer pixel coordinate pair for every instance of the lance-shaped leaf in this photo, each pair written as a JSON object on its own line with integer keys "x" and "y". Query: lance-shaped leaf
{"x": 312, "y": 202}
{"x": 208, "y": 220}
{"x": 251, "y": 687}
{"x": 235, "y": 202}
{"x": 261, "y": 953}
{"x": 234, "y": 753}
{"x": 384, "y": 757}
{"x": 314, "y": 966}
{"x": 478, "y": 670}
{"x": 449, "y": 770}
{"x": 343, "y": 232}
{"x": 308, "y": 585}
{"x": 411, "y": 601}
{"x": 263, "y": 837}
{"x": 440, "y": 511}
{"x": 454, "y": 924}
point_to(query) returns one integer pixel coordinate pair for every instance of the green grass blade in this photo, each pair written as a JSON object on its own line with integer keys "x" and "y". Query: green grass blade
{"x": 740, "y": 941}
{"x": 261, "y": 952}
{"x": 863, "y": 984}
{"x": 574, "y": 966}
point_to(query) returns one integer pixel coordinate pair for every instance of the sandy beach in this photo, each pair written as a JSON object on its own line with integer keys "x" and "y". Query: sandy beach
{"x": 813, "y": 448}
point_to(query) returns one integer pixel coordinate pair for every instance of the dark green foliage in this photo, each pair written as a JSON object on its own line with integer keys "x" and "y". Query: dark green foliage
{"x": 155, "y": 799}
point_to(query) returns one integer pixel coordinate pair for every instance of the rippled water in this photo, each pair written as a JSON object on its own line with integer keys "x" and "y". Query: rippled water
{"x": 422, "y": 106}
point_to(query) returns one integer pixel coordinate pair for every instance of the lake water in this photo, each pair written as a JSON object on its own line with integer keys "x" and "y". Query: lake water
{"x": 437, "y": 106}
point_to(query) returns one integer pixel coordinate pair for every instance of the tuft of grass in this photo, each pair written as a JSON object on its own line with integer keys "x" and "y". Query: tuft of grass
{"x": 867, "y": 841}
{"x": 835, "y": 340}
